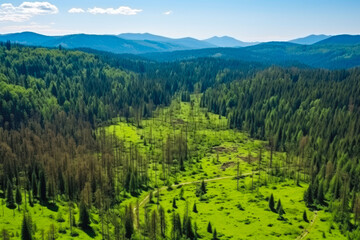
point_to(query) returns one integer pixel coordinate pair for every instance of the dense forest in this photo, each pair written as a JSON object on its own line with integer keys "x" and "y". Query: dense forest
{"x": 313, "y": 114}
{"x": 54, "y": 103}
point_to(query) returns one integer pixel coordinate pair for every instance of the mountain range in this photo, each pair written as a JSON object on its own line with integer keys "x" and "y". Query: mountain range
{"x": 134, "y": 43}
{"x": 322, "y": 51}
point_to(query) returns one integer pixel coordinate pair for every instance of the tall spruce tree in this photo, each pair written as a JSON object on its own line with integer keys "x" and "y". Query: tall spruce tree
{"x": 10, "y": 203}
{"x": 84, "y": 217}
{"x": 272, "y": 203}
{"x": 26, "y": 228}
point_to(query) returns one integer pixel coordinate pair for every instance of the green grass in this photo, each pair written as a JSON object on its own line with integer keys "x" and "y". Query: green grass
{"x": 43, "y": 217}
{"x": 214, "y": 152}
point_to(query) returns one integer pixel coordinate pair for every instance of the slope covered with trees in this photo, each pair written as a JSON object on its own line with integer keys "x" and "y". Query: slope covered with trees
{"x": 311, "y": 114}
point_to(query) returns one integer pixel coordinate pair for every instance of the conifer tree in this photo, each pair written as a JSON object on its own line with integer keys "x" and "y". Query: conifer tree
{"x": 272, "y": 203}
{"x": 26, "y": 228}
{"x": 129, "y": 222}
{"x": 305, "y": 216}
{"x": 203, "y": 187}
{"x": 84, "y": 217}
{"x": 18, "y": 197}
{"x": 279, "y": 207}
{"x": 10, "y": 203}
{"x": 215, "y": 235}
{"x": 195, "y": 208}
{"x": 174, "y": 203}
{"x": 209, "y": 228}
{"x": 34, "y": 185}
{"x": 42, "y": 187}
{"x": 162, "y": 222}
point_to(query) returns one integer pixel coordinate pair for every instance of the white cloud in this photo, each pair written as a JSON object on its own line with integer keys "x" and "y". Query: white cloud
{"x": 76, "y": 10}
{"x": 168, "y": 12}
{"x": 123, "y": 10}
{"x": 25, "y": 11}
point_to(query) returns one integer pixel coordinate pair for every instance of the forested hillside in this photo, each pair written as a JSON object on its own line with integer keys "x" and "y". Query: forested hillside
{"x": 313, "y": 114}
{"x": 99, "y": 136}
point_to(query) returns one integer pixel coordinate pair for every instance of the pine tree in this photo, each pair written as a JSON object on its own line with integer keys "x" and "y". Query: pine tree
{"x": 34, "y": 185}
{"x": 18, "y": 197}
{"x": 195, "y": 208}
{"x": 42, "y": 187}
{"x": 305, "y": 216}
{"x": 84, "y": 217}
{"x": 203, "y": 187}
{"x": 272, "y": 203}
{"x": 174, "y": 203}
{"x": 279, "y": 207}
{"x": 189, "y": 230}
{"x": 10, "y": 203}
{"x": 162, "y": 222}
{"x": 308, "y": 196}
{"x": 215, "y": 235}
{"x": 129, "y": 222}
{"x": 26, "y": 228}
{"x": 320, "y": 194}
{"x": 209, "y": 228}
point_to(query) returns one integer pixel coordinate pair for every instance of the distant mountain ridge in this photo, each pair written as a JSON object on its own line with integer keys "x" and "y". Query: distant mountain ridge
{"x": 226, "y": 41}
{"x": 344, "y": 39}
{"x": 311, "y": 39}
{"x": 333, "y": 52}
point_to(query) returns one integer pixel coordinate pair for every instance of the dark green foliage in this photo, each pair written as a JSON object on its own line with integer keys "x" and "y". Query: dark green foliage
{"x": 279, "y": 208}
{"x": 195, "y": 208}
{"x": 305, "y": 218}
{"x": 129, "y": 222}
{"x": 26, "y": 228}
{"x": 215, "y": 235}
{"x": 84, "y": 217}
{"x": 18, "y": 197}
{"x": 162, "y": 222}
{"x": 209, "y": 228}
{"x": 201, "y": 189}
{"x": 176, "y": 231}
{"x": 42, "y": 187}
{"x": 10, "y": 203}
{"x": 272, "y": 203}
{"x": 34, "y": 185}
{"x": 174, "y": 203}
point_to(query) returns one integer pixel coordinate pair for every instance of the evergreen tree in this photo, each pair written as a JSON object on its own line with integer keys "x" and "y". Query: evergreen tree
{"x": 320, "y": 194}
{"x": 272, "y": 203}
{"x": 34, "y": 185}
{"x": 305, "y": 216}
{"x": 26, "y": 228}
{"x": 42, "y": 187}
{"x": 84, "y": 217}
{"x": 203, "y": 187}
{"x": 279, "y": 207}
{"x": 209, "y": 228}
{"x": 129, "y": 222}
{"x": 162, "y": 222}
{"x": 10, "y": 203}
{"x": 18, "y": 197}
{"x": 195, "y": 208}
{"x": 174, "y": 203}
{"x": 215, "y": 235}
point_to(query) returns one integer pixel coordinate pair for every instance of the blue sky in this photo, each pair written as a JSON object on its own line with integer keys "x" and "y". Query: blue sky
{"x": 247, "y": 20}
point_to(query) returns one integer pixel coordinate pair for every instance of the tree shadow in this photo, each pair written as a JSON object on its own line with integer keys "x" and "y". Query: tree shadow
{"x": 52, "y": 206}
{"x": 89, "y": 231}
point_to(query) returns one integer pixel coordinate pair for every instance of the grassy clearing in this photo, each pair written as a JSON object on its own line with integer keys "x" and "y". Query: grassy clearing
{"x": 43, "y": 217}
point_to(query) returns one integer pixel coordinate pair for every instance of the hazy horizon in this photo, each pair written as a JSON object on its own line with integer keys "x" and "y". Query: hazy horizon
{"x": 251, "y": 21}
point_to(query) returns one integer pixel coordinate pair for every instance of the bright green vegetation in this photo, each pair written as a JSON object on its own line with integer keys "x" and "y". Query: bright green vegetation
{"x": 243, "y": 214}
{"x": 107, "y": 133}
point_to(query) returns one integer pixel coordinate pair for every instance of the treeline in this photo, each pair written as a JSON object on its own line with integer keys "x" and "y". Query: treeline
{"x": 311, "y": 114}
{"x": 52, "y": 103}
